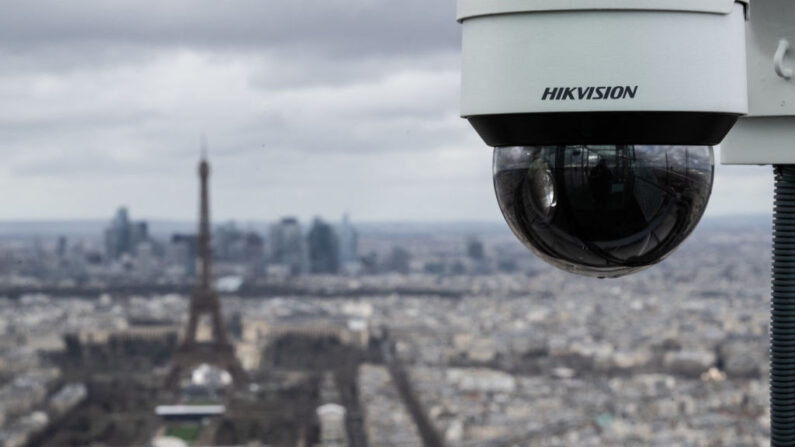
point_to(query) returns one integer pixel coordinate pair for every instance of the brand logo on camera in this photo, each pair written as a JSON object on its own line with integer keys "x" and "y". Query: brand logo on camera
{"x": 589, "y": 93}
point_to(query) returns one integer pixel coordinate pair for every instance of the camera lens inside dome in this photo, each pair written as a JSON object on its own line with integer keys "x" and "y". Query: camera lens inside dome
{"x": 603, "y": 210}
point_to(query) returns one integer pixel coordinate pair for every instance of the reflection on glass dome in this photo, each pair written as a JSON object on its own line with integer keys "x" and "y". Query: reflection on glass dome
{"x": 603, "y": 210}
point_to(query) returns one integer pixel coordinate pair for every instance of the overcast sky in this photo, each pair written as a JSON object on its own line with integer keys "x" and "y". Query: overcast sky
{"x": 309, "y": 107}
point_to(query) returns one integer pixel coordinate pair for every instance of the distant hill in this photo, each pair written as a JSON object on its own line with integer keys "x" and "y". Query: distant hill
{"x": 739, "y": 221}
{"x": 46, "y": 228}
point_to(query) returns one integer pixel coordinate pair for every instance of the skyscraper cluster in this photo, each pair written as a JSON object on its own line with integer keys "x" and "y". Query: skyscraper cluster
{"x": 287, "y": 247}
{"x": 234, "y": 244}
{"x": 323, "y": 249}
{"x": 123, "y": 236}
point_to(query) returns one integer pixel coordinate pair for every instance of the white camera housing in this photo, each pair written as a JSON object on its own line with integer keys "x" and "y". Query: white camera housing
{"x": 540, "y": 72}
{"x": 602, "y": 114}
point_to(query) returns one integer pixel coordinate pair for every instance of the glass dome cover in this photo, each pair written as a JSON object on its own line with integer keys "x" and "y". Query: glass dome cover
{"x": 603, "y": 210}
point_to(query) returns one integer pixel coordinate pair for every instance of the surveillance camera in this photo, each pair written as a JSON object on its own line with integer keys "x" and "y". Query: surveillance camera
{"x": 602, "y": 115}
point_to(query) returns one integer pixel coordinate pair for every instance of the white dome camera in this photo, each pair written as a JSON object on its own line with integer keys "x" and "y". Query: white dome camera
{"x": 602, "y": 115}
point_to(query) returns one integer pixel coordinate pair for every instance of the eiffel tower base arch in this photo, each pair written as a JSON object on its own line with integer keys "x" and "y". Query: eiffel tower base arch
{"x": 189, "y": 356}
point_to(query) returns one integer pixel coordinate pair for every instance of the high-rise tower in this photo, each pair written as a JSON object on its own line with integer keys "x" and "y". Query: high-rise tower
{"x": 204, "y": 302}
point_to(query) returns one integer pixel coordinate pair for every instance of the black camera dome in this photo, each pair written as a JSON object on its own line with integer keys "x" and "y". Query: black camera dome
{"x": 603, "y": 210}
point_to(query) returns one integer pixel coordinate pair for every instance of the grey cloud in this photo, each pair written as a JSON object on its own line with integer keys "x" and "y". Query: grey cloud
{"x": 64, "y": 165}
{"x": 42, "y": 127}
{"x": 303, "y": 70}
{"x": 310, "y": 107}
{"x": 334, "y": 28}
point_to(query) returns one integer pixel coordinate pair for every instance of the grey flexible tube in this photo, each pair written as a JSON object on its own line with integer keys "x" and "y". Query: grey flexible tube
{"x": 782, "y": 320}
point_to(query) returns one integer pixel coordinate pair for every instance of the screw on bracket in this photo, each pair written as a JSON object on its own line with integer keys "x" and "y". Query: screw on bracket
{"x": 778, "y": 59}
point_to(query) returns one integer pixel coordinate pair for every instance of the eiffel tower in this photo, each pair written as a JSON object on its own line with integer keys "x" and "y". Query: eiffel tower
{"x": 204, "y": 301}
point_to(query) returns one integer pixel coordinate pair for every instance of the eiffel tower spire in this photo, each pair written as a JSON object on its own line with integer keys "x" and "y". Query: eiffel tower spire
{"x": 204, "y": 301}
{"x": 205, "y": 248}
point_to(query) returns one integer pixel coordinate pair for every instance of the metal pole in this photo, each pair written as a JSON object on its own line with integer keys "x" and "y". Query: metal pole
{"x": 782, "y": 321}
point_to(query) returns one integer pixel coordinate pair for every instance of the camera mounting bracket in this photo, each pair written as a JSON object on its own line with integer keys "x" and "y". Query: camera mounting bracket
{"x": 767, "y": 134}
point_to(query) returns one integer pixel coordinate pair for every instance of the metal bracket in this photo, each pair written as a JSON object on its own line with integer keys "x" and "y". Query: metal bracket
{"x": 778, "y": 59}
